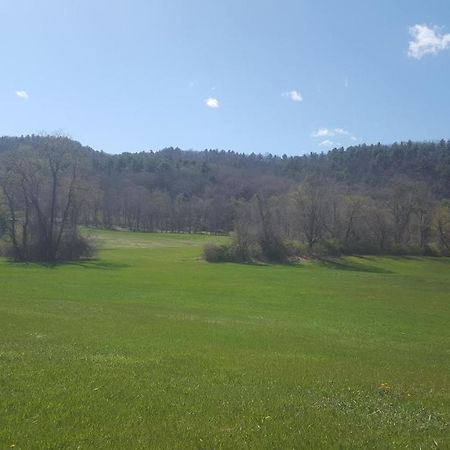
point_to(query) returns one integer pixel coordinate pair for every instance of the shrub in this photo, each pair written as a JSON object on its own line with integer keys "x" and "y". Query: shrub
{"x": 73, "y": 246}
{"x": 76, "y": 247}
{"x": 216, "y": 252}
{"x": 274, "y": 249}
{"x": 432, "y": 250}
{"x": 250, "y": 252}
{"x": 328, "y": 248}
{"x": 232, "y": 252}
{"x": 296, "y": 249}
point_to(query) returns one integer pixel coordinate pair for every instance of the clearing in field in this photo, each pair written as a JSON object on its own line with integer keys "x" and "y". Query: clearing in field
{"x": 148, "y": 346}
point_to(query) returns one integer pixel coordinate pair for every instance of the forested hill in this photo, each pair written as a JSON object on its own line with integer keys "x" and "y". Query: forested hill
{"x": 191, "y": 172}
{"x": 196, "y": 189}
{"x": 363, "y": 164}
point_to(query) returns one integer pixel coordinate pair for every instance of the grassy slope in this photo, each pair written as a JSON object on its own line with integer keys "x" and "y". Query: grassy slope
{"x": 150, "y": 347}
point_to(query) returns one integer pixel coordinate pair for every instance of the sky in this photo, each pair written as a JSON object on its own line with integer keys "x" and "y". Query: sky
{"x": 264, "y": 76}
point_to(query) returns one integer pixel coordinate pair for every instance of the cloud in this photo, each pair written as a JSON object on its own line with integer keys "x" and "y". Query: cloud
{"x": 212, "y": 102}
{"x": 294, "y": 95}
{"x": 329, "y": 144}
{"x": 427, "y": 41}
{"x": 22, "y": 94}
{"x": 322, "y": 132}
{"x": 333, "y": 132}
{"x": 341, "y": 131}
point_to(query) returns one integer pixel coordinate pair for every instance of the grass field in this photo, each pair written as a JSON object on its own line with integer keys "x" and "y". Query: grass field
{"x": 148, "y": 346}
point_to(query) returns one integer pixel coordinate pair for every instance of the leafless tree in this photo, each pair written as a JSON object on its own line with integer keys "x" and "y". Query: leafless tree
{"x": 44, "y": 192}
{"x": 442, "y": 225}
{"x": 311, "y": 206}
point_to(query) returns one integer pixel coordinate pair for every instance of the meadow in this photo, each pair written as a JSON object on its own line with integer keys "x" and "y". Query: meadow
{"x": 148, "y": 346}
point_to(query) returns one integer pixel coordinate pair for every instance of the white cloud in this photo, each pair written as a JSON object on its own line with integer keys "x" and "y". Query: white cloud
{"x": 22, "y": 94}
{"x": 427, "y": 41}
{"x": 341, "y": 131}
{"x": 329, "y": 144}
{"x": 212, "y": 102}
{"x": 333, "y": 132}
{"x": 294, "y": 95}
{"x": 322, "y": 132}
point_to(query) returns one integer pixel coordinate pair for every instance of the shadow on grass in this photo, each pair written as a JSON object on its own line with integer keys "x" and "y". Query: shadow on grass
{"x": 243, "y": 263}
{"x": 342, "y": 264}
{"x": 423, "y": 258}
{"x": 98, "y": 264}
{"x": 329, "y": 263}
{"x": 88, "y": 263}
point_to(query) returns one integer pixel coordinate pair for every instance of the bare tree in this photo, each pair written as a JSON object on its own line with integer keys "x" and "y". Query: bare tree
{"x": 44, "y": 193}
{"x": 400, "y": 201}
{"x": 442, "y": 225}
{"x": 311, "y": 205}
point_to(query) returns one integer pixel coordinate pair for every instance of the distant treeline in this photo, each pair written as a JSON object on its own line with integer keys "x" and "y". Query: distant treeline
{"x": 363, "y": 199}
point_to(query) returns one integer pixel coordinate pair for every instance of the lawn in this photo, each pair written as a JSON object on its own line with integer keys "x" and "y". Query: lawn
{"x": 148, "y": 346}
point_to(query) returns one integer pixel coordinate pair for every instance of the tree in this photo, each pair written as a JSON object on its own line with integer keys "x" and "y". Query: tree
{"x": 311, "y": 204}
{"x": 400, "y": 201}
{"x": 3, "y": 215}
{"x": 442, "y": 225}
{"x": 44, "y": 193}
{"x": 423, "y": 214}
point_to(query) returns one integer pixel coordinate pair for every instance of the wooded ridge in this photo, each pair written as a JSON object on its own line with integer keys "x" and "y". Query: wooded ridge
{"x": 366, "y": 198}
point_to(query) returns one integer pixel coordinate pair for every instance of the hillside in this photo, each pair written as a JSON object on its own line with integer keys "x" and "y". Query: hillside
{"x": 398, "y": 187}
{"x": 195, "y": 172}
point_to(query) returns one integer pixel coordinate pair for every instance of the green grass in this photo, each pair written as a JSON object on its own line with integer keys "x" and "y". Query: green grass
{"x": 150, "y": 347}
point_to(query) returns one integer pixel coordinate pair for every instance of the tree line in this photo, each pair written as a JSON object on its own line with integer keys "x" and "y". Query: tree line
{"x": 320, "y": 218}
{"x": 364, "y": 199}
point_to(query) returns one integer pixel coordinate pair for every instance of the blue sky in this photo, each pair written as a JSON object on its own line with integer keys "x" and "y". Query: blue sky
{"x": 246, "y": 75}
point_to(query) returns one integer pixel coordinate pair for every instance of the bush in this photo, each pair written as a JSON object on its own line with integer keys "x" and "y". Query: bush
{"x": 296, "y": 249}
{"x": 73, "y": 246}
{"x": 232, "y": 253}
{"x": 274, "y": 249}
{"x": 216, "y": 252}
{"x": 432, "y": 250}
{"x": 328, "y": 248}
{"x": 250, "y": 252}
